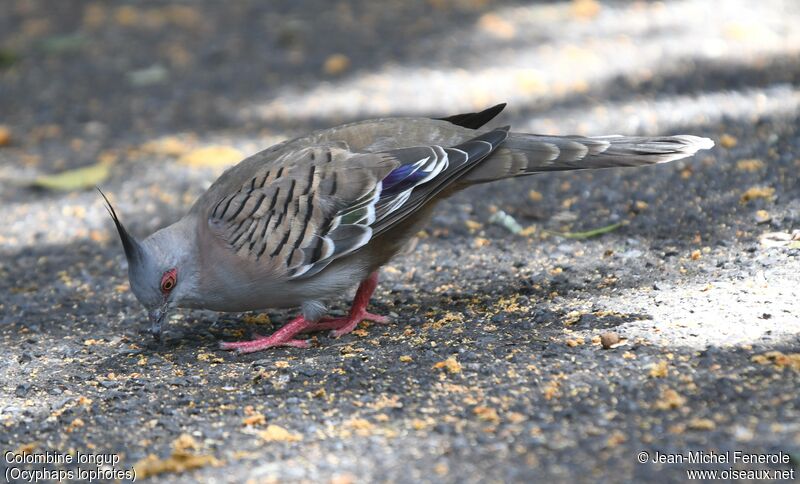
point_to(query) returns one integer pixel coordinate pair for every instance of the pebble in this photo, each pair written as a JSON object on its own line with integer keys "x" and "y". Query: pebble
{"x": 609, "y": 339}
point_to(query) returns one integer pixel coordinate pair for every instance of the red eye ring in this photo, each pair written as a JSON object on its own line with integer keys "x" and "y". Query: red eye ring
{"x": 168, "y": 281}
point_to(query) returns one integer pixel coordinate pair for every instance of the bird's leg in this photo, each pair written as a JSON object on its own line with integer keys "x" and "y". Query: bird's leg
{"x": 358, "y": 311}
{"x": 282, "y": 337}
{"x": 340, "y": 326}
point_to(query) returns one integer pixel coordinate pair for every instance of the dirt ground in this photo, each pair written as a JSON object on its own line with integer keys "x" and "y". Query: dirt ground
{"x": 493, "y": 369}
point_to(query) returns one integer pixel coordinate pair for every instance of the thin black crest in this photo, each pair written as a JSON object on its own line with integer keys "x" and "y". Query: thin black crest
{"x": 133, "y": 251}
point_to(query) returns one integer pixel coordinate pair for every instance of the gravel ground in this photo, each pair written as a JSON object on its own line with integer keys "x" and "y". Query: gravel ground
{"x": 493, "y": 369}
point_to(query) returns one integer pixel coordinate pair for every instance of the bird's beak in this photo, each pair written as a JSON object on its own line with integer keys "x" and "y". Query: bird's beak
{"x": 156, "y": 319}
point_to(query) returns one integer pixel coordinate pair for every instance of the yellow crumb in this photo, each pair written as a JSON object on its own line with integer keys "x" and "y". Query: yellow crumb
{"x": 659, "y": 370}
{"x": 451, "y": 365}
{"x": 275, "y": 433}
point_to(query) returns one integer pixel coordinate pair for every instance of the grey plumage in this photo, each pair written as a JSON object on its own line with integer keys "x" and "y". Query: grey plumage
{"x": 302, "y": 221}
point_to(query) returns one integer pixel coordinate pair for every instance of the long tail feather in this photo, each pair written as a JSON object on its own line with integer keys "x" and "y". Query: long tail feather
{"x": 525, "y": 154}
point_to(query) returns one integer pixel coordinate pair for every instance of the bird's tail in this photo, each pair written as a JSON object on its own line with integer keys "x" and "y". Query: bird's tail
{"x": 526, "y": 154}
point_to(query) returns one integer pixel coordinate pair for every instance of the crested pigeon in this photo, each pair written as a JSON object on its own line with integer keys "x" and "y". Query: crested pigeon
{"x": 303, "y": 221}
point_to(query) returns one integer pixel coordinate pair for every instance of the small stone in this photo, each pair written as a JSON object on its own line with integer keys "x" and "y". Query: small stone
{"x": 609, "y": 339}
{"x": 22, "y": 390}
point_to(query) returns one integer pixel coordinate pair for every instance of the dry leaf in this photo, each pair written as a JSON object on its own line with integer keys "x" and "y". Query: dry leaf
{"x": 71, "y": 180}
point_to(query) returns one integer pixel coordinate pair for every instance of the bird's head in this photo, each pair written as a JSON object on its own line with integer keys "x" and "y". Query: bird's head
{"x": 158, "y": 271}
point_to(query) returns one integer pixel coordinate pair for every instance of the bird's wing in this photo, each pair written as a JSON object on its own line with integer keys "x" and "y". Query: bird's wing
{"x": 314, "y": 205}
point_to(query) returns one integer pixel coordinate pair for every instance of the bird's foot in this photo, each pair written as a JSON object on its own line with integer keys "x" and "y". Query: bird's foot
{"x": 338, "y": 326}
{"x": 358, "y": 311}
{"x": 282, "y": 337}
{"x": 342, "y": 326}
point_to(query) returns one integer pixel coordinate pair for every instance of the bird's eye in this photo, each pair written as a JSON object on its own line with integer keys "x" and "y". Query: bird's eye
{"x": 168, "y": 280}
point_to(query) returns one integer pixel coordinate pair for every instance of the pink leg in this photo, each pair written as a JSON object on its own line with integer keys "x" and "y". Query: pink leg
{"x": 340, "y": 326}
{"x": 358, "y": 311}
{"x": 282, "y": 337}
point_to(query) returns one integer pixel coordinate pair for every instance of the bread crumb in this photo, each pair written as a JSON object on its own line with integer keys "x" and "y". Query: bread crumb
{"x": 780, "y": 360}
{"x": 480, "y": 242}
{"x": 262, "y": 318}
{"x": 253, "y": 420}
{"x": 659, "y": 370}
{"x": 751, "y": 165}
{"x": 702, "y": 424}
{"x": 181, "y": 460}
{"x": 473, "y": 226}
{"x": 5, "y": 135}
{"x": 616, "y": 438}
{"x": 336, "y": 64}
{"x": 74, "y": 425}
{"x": 275, "y": 433}
{"x": 573, "y": 342}
{"x": 551, "y": 389}
{"x": 727, "y": 141}
{"x": 451, "y": 365}
{"x": 670, "y": 399}
{"x": 487, "y": 414}
{"x": 757, "y": 192}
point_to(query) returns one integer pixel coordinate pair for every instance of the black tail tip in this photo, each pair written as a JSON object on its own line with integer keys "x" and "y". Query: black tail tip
{"x": 475, "y": 120}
